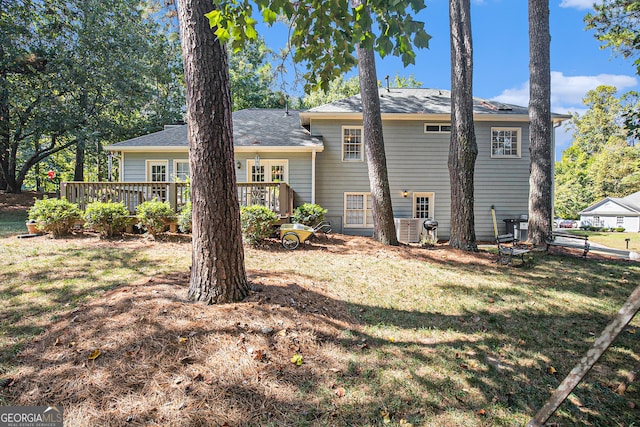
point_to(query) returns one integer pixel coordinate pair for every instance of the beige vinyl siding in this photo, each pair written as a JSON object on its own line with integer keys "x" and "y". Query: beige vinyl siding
{"x": 417, "y": 162}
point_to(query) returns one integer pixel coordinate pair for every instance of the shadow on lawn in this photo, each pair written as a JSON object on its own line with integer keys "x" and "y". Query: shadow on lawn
{"x": 168, "y": 361}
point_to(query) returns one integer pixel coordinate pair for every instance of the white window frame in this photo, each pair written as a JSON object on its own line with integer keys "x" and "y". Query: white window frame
{"x": 440, "y": 127}
{"x": 367, "y": 207}
{"x": 267, "y": 163}
{"x": 432, "y": 203}
{"x": 150, "y": 163}
{"x": 176, "y": 178}
{"x": 360, "y": 128}
{"x": 518, "y": 143}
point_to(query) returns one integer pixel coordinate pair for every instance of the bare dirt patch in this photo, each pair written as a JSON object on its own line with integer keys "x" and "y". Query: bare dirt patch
{"x": 18, "y": 202}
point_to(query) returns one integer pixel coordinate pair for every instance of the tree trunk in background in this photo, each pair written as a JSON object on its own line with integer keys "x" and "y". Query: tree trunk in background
{"x": 383, "y": 224}
{"x": 78, "y": 172}
{"x": 540, "y": 128}
{"x": 217, "y": 272}
{"x": 463, "y": 149}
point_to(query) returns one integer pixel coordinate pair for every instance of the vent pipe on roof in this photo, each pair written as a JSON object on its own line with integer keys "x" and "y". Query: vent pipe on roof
{"x": 387, "y": 80}
{"x": 286, "y": 106}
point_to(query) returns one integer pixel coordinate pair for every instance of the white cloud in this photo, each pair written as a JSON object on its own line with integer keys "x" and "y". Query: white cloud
{"x": 579, "y": 4}
{"x": 567, "y": 92}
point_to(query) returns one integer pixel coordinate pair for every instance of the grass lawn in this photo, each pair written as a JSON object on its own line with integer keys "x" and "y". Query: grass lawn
{"x": 385, "y": 336}
{"x": 612, "y": 239}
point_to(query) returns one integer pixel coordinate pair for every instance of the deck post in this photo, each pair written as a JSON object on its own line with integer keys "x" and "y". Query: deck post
{"x": 173, "y": 196}
{"x": 284, "y": 199}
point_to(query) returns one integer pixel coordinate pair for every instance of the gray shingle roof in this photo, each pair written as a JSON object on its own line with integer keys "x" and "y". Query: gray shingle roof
{"x": 630, "y": 202}
{"x": 251, "y": 127}
{"x": 419, "y": 101}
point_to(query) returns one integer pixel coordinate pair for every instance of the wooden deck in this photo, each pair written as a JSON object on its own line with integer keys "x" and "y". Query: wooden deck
{"x": 276, "y": 196}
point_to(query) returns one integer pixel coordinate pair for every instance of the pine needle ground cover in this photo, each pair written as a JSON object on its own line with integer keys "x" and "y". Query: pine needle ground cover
{"x": 342, "y": 331}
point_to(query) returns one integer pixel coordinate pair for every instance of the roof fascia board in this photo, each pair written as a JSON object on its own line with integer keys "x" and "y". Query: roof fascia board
{"x": 238, "y": 149}
{"x": 305, "y": 117}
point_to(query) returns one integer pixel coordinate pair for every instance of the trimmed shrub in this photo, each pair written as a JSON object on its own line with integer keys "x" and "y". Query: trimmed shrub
{"x": 308, "y": 214}
{"x": 107, "y": 218}
{"x": 185, "y": 218}
{"x": 257, "y": 223}
{"x": 55, "y": 216}
{"x": 620, "y": 229}
{"x": 154, "y": 215}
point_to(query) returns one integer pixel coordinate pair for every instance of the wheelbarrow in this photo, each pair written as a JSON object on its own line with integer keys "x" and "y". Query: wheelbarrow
{"x": 291, "y": 235}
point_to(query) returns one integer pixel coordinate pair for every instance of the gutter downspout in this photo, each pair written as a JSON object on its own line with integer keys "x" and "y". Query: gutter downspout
{"x": 313, "y": 176}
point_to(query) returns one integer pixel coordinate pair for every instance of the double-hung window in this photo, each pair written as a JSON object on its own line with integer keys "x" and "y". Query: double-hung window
{"x": 352, "y": 147}
{"x": 357, "y": 210}
{"x": 181, "y": 170}
{"x": 505, "y": 142}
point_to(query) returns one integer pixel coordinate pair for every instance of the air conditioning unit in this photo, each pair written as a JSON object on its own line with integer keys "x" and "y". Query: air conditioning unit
{"x": 408, "y": 229}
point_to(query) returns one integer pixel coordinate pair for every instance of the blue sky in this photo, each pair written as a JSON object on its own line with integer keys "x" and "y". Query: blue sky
{"x": 501, "y": 55}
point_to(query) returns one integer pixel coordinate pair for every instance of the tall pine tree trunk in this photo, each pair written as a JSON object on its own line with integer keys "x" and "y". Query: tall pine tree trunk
{"x": 540, "y": 128}
{"x": 463, "y": 149}
{"x": 217, "y": 272}
{"x": 383, "y": 224}
{"x": 78, "y": 172}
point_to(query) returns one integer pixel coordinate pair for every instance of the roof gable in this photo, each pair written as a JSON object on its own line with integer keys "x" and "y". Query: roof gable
{"x": 614, "y": 205}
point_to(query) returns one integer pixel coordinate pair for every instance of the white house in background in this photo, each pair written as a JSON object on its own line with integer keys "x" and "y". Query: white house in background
{"x": 614, "y": 212}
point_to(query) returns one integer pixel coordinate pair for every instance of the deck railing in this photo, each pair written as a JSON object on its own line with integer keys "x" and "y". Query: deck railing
{"x": 276, "y": 196}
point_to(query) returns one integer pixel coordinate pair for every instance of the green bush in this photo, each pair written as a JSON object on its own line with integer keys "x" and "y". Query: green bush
{"x": 55, "y": 216}
{"x": 106, "y": 218}
{"x": 308, "y": 214}
{"x": 185, "y": 218}
{"x": 257, "y": 223}
{"x": 154, "y": 216}
{"x": 620, "y": 229}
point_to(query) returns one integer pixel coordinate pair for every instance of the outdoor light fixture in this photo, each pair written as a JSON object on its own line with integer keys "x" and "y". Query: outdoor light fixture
{"x": 405, "y": 193}
{"x": 238, "y": 164}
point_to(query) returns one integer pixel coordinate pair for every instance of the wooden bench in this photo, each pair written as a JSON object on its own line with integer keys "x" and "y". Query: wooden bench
{"x": 576, "y": 241}
{"x": 509, "y": 247}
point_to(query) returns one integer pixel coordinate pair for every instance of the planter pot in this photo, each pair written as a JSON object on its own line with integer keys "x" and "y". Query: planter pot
{"x": 31, "y": 227}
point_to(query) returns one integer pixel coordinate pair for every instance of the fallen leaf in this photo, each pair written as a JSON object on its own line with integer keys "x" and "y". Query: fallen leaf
{"x": 58, "y": 342}
{"x": 481, "y": 412}
{"x": 94, "y": 355}
{"x": 297, "y": 360}
{"x": 631, "y": 330}
{"x": 405, "y": 423}
{"x": 385, "y": 416}
{"x": 183, "y": 340}
{"x": 391, "y": 339}
{"x": 340, "y": 392}
{"x": 282, "y": 332}
{"x": 551, "y": 370}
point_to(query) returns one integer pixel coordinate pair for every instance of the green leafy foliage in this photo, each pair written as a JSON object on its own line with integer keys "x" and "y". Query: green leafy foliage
{"x": 185, "y": 218}
{"x": 324, "y": 34}
{"x": 55, "y": 216}
{"x": 602, "y": 161}
{"x": 77, "y": 75}
{"x": 107, "y": 218}
{"x": 257, "y": 223}
{"x": 617, "y": 26}
{"x": 308, "y": 214}
{"x": 154, "y": 215}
